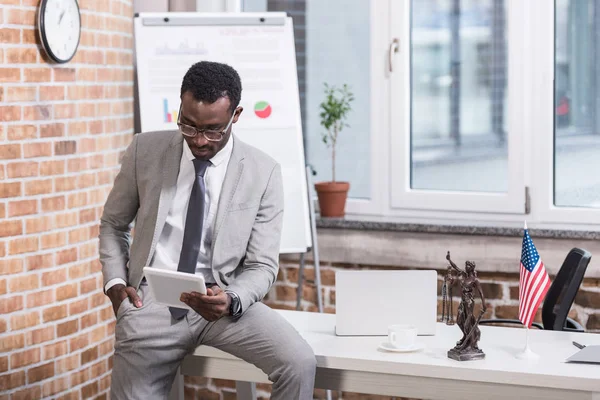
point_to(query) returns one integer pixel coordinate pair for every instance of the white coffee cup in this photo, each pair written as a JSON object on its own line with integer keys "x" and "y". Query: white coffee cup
{"x": 402, "y": 336}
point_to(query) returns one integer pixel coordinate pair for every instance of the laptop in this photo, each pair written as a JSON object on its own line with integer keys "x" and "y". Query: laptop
{"x": 367, "y": 302}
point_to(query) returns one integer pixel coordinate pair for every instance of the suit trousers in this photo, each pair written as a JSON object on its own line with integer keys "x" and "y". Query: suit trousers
{"x": 150, "y": 345}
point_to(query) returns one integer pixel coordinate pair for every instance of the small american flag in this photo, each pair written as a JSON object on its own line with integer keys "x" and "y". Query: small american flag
{"x": 534, "y": 282}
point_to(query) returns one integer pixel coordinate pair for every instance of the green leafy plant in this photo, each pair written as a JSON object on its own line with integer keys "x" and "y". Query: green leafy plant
{"x": 334, "y": 112}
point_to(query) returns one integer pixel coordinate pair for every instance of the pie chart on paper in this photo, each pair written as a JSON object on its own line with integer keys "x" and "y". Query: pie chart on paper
{"x": 262, "y": 109}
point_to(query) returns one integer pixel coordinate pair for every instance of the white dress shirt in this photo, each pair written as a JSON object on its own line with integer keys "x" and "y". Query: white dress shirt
{"x": 169, "y": 244}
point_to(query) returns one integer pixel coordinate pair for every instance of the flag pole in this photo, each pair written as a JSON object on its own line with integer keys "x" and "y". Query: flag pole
{"x": 527, "y": 353}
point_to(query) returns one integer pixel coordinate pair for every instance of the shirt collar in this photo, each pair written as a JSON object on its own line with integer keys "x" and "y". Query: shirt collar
{"x": 218, "y": 158}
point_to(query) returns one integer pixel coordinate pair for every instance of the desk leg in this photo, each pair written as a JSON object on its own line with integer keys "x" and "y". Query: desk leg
{"x": 245, "y": 390}
{"x": 177, "y": 388}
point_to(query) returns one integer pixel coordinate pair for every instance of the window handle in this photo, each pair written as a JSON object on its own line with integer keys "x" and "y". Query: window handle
{"x": 394, "y": 48}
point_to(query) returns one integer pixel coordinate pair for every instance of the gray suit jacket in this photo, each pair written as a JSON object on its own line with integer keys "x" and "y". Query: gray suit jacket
{"x": 247, "y": 234}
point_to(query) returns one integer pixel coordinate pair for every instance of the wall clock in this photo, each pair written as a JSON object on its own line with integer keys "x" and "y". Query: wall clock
{"x": 59, "y": 24}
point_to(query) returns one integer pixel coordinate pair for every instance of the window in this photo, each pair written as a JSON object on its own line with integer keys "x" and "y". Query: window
{"x": 467, "y": 111}
{"x": 577, "y": 104}
{"x": 455, "y": 138}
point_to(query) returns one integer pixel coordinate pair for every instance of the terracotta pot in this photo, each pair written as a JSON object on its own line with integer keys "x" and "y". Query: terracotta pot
{"x": 332, "y": 198}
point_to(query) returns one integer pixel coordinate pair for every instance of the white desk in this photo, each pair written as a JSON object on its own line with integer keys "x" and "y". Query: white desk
{"x": 353, "y": 364}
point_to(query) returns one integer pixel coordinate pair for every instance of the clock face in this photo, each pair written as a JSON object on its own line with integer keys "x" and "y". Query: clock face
{"x": 60, "y": 27}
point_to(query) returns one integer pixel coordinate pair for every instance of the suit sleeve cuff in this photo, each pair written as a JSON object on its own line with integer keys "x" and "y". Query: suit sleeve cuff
{"x": 113, "y": 282}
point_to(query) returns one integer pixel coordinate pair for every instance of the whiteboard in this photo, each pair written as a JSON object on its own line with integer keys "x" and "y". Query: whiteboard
{"x": 260, "y": 46}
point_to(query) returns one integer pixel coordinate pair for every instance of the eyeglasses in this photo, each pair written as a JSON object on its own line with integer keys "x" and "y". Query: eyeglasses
{"x": 210, "y": 135}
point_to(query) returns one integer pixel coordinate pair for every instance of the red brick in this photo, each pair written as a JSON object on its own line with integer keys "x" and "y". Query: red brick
{"x": 55, "y": 386}
{"x": 88, "y": 250}
{"x": 10, "y": 113}
{"x": 3, "y": 364}
{"x": 23, "y": 207}
{"x": 79, "y": 235}
{"x": 10, "y": 228}
{"x": 54, "y": 277}
{"x": 66, "y": 256}
{"x": 65, "y": 183}
{"x": 9, "y": 35}
{"x": 53, "y": 203}
{"x": 65, "y": 147}
{"x": 25, "y": 55}
{"x": 52, "y": 93}
{"x": 11, "y": 266}
{"x": 24, "y": 283}
{"x": 27, "y": 357}
{"x": 42, "y": 298}
{"x": 23, "y": 245}
{"x": 37, "y": 74}
{"x": 2, "y": 325}
{"x": 79, "y": 342}
{"x": 67, "y": 219}
{"x": 40, "y": 373}
{"x": 89, "y": 320}
{"x": 29, "y": 393}
{"x": 52, "y": 130}
{"x": 10, "y": 74}
{"x": 39, "y": 224}
{"x": 2, "y": 205}
{"x": 74, "y": 395}
{"x": 29, "y": 36}
{"x": 56, "y": 167}
{"x": 40, "y": 335}
{"x": 22, "y": 169}
{"x": 77, "y": 128}
{"x": 88, "y": 285}
{"x": 11, "y": 381}
{"x": 11, "y": 304}
{"x": 17, "y": 16}
{"x": 89, "y": 390}
{"x": 55, "y": 350}
{"x": 8, "y": 343}
{"x": 21, "y": 93}
{"x": 86, "y": 216}
{"x": 67, "y": 328}
{"x": 78, "y": 306}
{"x": 98, "y": 299}
{"x": 33, "y": 188}
{"x": 22, "y": 132}
{"x": 79, "y": 271}
{"x": 55, "y": 313}
{"x": 53, "y": 240}
{"x": 12, "y": 189}
{"x": 3, "y": 287}
{"x": 66, "y": 292}
{"x": 38, "y": 149}
{"x": 64, "y": 74}
{"x": 62, "y": 111}
{"x": 78, "y": 199}
{"x": 10, "y": 151}
{"x": 37, "y": 113}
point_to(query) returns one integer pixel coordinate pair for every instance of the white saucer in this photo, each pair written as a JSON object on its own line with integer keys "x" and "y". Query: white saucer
{"x": 388, "y": 347}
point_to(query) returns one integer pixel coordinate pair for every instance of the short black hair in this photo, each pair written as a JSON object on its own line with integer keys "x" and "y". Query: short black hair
{"x": 209, "y": 81}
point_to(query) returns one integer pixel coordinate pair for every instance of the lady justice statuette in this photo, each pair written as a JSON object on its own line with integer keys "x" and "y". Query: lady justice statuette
{"x": 466, "y": 348}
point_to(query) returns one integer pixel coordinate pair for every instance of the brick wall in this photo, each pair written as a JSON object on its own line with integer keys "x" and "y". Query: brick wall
{"x": 500, "y": 290}
{"x": 62, "y": 130}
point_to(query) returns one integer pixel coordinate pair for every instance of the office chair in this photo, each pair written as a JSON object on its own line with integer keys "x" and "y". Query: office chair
{"x": 560, "y": 296}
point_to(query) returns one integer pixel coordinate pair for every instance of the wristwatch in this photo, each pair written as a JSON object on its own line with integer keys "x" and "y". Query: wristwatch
{"x": 235, "y": 306}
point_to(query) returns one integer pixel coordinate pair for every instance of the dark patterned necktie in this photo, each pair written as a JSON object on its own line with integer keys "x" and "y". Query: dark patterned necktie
{"x": 192, "y": 234}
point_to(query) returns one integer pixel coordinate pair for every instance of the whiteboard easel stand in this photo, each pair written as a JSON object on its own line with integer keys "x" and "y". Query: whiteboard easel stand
{"x": 315, "y": 250}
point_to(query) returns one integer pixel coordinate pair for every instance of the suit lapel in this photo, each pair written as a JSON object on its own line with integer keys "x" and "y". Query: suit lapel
{"x": 170, "y": 168}
{"x": 235, "y": 168}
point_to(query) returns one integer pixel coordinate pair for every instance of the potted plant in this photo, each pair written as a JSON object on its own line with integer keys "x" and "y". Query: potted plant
{"x": 334, "y": 112}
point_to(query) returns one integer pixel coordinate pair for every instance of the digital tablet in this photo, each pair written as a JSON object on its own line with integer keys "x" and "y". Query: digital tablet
{"x": 167, "y": 286}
